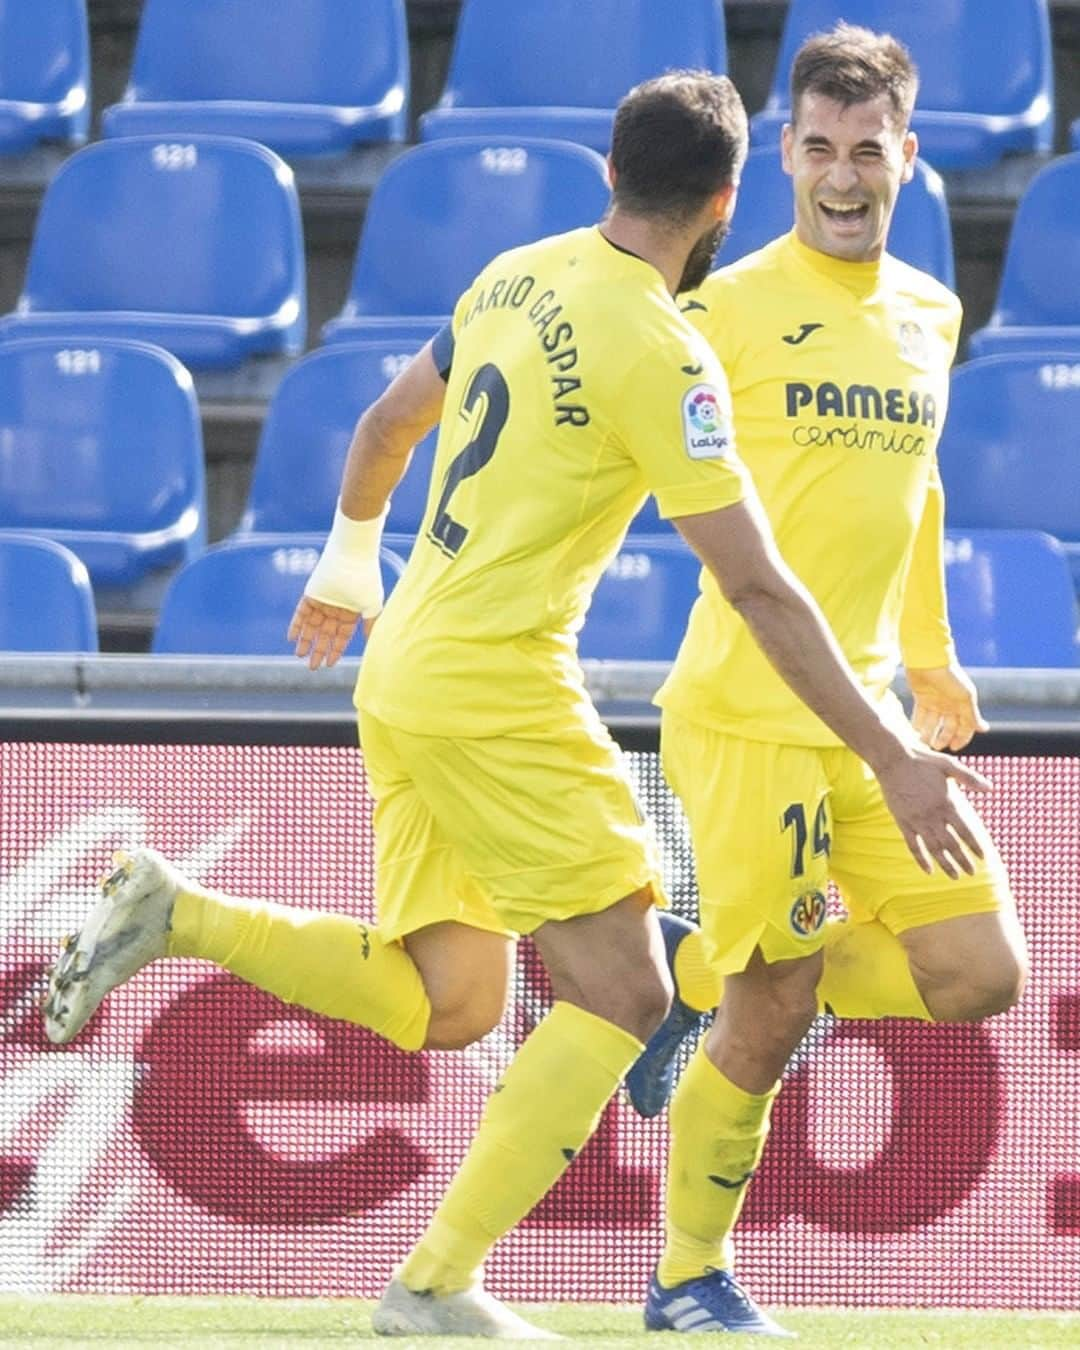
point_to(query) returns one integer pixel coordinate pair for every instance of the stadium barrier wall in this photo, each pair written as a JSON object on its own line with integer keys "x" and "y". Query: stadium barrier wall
{"x": 201, "y": 1137}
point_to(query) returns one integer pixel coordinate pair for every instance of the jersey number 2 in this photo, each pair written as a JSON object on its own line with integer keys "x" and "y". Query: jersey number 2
{"x": 487, "y": 382}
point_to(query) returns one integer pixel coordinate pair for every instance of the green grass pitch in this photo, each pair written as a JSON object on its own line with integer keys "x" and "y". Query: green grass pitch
{"x": 309, "y": 1324}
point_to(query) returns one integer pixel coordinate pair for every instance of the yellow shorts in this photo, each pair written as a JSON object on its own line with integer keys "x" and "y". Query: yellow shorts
{"x": 772, "y": 824}
{"x": 502, "y": 833}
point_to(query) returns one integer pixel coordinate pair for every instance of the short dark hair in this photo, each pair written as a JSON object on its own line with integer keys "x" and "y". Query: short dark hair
{"x": 850, "y": 65}
{"x": 677, "y": 139}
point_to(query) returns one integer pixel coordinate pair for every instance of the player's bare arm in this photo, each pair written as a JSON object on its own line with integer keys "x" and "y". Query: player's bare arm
{"x": 736, "y": 544}
{"x": 347, "y": 584}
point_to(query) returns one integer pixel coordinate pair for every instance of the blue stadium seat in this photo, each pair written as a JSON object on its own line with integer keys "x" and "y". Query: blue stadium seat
{"x": 305, "y": 78}
{"x": 1011, "y": 599}
{"x": 46, "y": 604}
{"x": 307, "y": 430}
{"x": 920, "y": 234}
{"x": 1038, "y": 304}
{"x": 642, "y": 603}
{"x": 986, "y": 77}
{"x": 442, "y": 211}
{"x": 395, "y": 328}
{"x": 194, "y": 245}
{"x": 1010, "y": 450}
{"x": 238, "y": 598}
{"x": 101, "y": 449}
{"x": 558, "y": 69}
{"x": 1074, "y": 134}
{"x": 44, "y": 73}
{"x": 647, "y": 521}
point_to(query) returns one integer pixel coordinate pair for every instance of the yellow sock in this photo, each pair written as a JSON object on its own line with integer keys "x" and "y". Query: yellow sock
{"x": 538, "y": 1118}
{"x": 866, "y": 974}
{"x": 698, "y": 984}
{"x": 718, "y": 1132}
{"x": 327, "y": 962}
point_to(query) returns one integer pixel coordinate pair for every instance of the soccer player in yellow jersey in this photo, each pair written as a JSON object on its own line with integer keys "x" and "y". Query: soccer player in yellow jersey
{"x": 568, "y": 385}
{"x": 838, "y": 357}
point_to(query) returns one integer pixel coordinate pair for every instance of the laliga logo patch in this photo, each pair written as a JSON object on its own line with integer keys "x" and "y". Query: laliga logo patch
{"x": 706, "y": 428}
{"x": 808, "y": 913}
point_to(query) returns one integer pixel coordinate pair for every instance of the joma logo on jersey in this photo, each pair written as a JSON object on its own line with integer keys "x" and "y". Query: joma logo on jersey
{"x": 808, "y": 913}
{"x": 908, "y": 406}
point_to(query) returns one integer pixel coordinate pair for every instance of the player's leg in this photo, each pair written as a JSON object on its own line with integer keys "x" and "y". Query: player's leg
{"x": 938, "y": 949}
{"x": 329, "y": 962}
{"x": 761, "y": 837}
{"x": 719, "y": 1126}
{"x": 867, "y": 975}
{"x": 466, "y": 974}
{"x": 567, "y": 858}
{"x": 550, "y": 1099}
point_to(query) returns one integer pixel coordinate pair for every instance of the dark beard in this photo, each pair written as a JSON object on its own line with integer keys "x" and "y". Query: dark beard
{"x": 702, "y": 256}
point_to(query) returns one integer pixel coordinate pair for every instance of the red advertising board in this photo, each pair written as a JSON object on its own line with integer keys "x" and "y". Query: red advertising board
{"x": 202, "y": 1137}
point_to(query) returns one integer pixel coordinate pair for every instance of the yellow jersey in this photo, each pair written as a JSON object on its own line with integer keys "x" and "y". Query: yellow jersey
{"x": 576, "y": 388}
{"x": 839, "y": 374}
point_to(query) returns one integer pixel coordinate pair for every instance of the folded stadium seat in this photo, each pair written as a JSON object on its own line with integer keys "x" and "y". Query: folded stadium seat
{"x": 559, "y": 68}
{"x": 1074, "y": 134}
{"x": 1010, "y": 449}
{"x": 641, "y": 605}
{"x": 195, "y": 245}
{"x": 306, "y": 78}
{"x": 442, "y": 211}
{"x": 1011, "y": 599}
{"x": 46, "y": 604}
{"x": 307, "y": 430}
{"x": 985, "y": 73}
{"x": 44, "y": 74}
{"x": 1038, "y": 304}
{"x": 237, "y": 598}
{"x": 101, "y": 449}
{"x": 920, "y": 234}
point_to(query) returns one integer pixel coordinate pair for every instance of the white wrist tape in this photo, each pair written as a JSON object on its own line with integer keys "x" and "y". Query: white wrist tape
{"x": 348, "y": 572}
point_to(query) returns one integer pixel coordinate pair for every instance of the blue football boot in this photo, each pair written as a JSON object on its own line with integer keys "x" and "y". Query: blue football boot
{"x": 651, "y": 1079}
{"x": 714, "y": 1301}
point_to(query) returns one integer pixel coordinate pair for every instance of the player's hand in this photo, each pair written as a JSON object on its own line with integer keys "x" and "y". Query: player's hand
{"x": 321, "y": 632}
{"x": 916, "y": 785}
{"x": 946, "y": 712}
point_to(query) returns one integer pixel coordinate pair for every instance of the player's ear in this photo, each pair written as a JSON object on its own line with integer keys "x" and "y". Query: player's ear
{"x": 611, "y": 174}
{"x": 723, "y": 202}
{"x": 911, "y": 150}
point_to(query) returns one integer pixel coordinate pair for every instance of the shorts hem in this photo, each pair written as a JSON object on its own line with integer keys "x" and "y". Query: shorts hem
{"x": 528, "y": 920}
{"x": 987, "y": 898}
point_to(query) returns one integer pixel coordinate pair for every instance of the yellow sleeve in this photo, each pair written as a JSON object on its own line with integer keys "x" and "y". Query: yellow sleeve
{"x": 709, "y": 310}
{"x": 676, "y": 424}
{"x": 925, "y": 639}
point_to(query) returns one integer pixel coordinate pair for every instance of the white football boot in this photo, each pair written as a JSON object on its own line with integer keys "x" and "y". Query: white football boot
{"x": 472, "y": 1312}
{"x": 127, "y": 928}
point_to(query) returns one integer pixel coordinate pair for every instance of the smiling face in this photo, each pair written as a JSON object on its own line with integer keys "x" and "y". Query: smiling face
{"x": 847, "y": 165}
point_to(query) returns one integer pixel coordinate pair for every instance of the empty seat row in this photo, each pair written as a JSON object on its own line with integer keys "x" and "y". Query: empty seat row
{"x": 319, "y": 76}
{"x": 197, "y": 245}
{"x": 985, "y": 73}
{"x": 101, "y": 449}
{"x": 307, "y": 77}
{"x": 1010, "y": 599}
